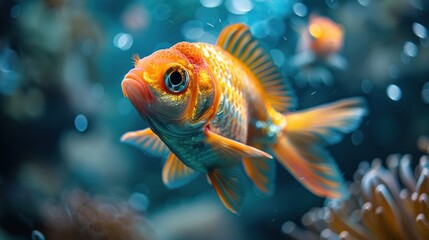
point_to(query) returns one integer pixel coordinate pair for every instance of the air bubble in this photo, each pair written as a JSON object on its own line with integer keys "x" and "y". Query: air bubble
{"x": 36, "y": 235}
{"x": 394, "y": 92}
{"x": 364, "y": 3}
{"x": 393, "y": 71}
{"x": 357, "y": 137}
{"x": 332, "y": 3}
{"x": 15, "y": 11}
{"x": 420, "y": 30}
{"x": 410, "y": 49}
{"x": 139, "y": 201}
{"x": 81, "y": 123}
{"x": 192, "y": 30}
{"x": 425, "y": 93}
{"x": 239, "y": 6}
{"x": 366, "y": 86}
{"x": 300, "y": 9}
{"x": 211, "y": 3}
{"x": 123, "y": 41}
{"x": 278, "y": 57}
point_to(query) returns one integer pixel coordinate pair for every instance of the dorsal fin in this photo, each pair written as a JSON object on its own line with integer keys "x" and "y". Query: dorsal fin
{"x": 237, "y": 40}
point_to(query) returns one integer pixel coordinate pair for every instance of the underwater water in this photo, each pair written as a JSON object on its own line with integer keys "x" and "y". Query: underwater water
{"x": 65, "y": 174}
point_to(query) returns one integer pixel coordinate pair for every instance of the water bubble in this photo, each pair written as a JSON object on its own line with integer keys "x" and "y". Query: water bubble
{"x": 124, "y": 107}
{"x": 416, "y": 4}
{"x": 97, "y": 91}
{"x": 8, "y": 71}
{"x": 394, "y": 92}
{"x": 81, "y": 123}
{"x": 192, "y": 30}
{"x": 288, "y": 227}
{"x": 364, "y": 3}
{"x": 410, "y": 49}
{"x": 211, "y": 3}
{"x": 357, "y": 137}
{"x": 393, "y": 71}
{"x": 15, "y": 11}
{"x": 123, "y": 41}
{"x": 36, "y": 235}
{"x": 239, "y": 6}
{"x": 258, "y": 29}
{"x": 425, "y": 93}
{"x": 139, "y": 201}
{"x": 332, "y": 3}
{"x": 278, "y": 57}
{"x": 300, "y": 9}
{"x": 420, "y": 30}
{"x": 366, "y": 86}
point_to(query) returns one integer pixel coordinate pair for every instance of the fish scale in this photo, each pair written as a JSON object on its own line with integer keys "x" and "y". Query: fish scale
{"x": 231, "y": 119}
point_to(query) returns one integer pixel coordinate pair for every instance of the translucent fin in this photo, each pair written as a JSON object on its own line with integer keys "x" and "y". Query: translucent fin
{"x": 300, "y": 147}
{"x": 176, "y": 174}
{"x": 147, "y": 141}
{"x": 229, "y": 186}
{"x": 237, "y": 40}
{"x": 312, "y": 166}
{"x": 326, "y": 124}
{"x": 232, "y": 149}
{"x": 262, "y": 172}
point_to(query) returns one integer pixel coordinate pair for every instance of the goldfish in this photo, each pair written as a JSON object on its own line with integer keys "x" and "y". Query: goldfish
{"x": 318, "y": 50}
{"x": 226, "y": 111}
{"x": 326, "y": 36}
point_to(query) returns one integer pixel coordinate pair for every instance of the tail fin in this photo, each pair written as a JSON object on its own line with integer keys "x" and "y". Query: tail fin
{"x": 300, "y": 147}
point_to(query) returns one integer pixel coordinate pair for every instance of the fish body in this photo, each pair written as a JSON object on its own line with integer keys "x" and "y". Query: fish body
{"x": 322, "y": 36}
{"x": 239, "y": 95}
{"x": 212, "y": 108}
{"x": 318, "y": 52}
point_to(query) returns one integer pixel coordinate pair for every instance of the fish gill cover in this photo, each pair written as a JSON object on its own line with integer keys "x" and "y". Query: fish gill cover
{"x": 64, "y": 172}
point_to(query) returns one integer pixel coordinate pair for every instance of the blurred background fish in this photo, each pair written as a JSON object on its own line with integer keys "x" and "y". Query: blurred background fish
{"x": 62, "y": 110}
{"x": 318, "y": 49}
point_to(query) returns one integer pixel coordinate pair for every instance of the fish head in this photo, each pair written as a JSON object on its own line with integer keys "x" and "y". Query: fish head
{"x": 172, "y": 89}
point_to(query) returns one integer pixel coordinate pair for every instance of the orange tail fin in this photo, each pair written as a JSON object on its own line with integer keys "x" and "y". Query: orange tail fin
{"x": 300, "y": 146}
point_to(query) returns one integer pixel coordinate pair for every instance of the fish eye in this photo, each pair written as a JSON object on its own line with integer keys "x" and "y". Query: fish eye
{"x": 176, "y": 79}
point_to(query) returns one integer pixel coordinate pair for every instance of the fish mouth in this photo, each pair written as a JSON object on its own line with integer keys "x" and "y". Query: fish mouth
{"x": 135, "y": 89}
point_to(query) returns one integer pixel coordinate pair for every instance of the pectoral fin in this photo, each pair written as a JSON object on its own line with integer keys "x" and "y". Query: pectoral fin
{"x": 233, "y": 149}
{"x": 148, "y": 141}
{"x": 229, "y": 186}
{"x": 176, "y": 174}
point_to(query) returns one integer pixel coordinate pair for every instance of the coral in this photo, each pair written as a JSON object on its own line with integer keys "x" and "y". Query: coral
{"x": 386, "y": 203}
{"x": 79, "y": 216}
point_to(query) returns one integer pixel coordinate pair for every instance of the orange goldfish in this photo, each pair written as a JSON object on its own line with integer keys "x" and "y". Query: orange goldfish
{"x": 213, "y": 108}
{"x": 325, "y": 36}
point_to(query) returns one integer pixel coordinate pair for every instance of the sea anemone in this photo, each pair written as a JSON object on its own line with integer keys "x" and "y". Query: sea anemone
{"x": 385, "y": 203}
{"x": 80, "y": 216}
